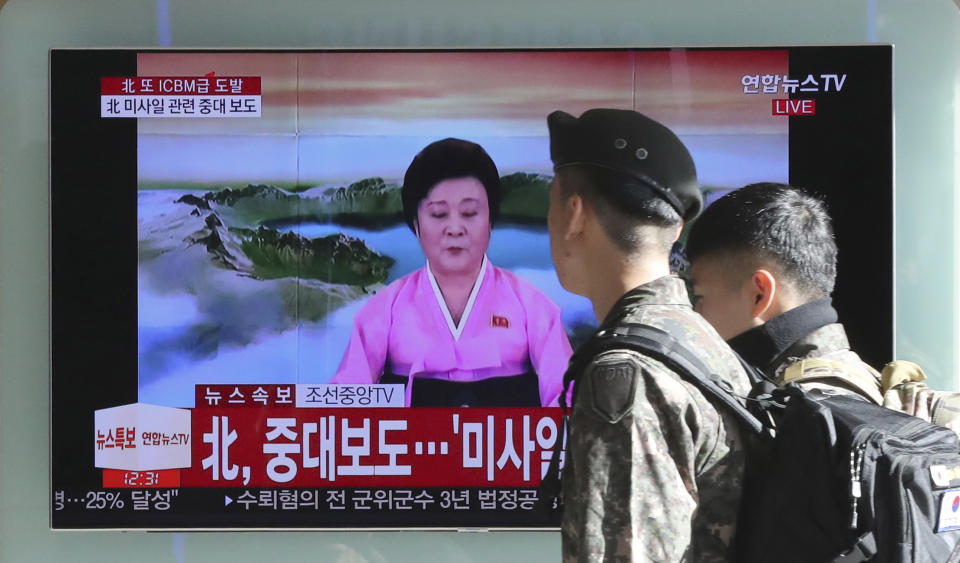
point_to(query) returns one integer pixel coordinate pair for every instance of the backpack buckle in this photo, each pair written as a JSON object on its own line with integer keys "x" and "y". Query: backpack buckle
{"x": 863, "y": 550}
{"x": 767, "y": 401}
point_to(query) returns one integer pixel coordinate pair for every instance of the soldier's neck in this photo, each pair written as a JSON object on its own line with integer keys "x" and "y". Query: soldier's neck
{"x": 617, "y": 275}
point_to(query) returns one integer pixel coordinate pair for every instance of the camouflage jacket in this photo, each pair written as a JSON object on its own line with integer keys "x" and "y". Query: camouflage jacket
{"x": 823, "y": 359}
{"x": 806, "y": 346}
{"x": 812, "y": 351}
{"x": 653, "y": 470}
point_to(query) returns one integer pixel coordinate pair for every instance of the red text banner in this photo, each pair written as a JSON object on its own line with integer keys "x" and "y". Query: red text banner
{"x": 123, "y": 479}
{"x": 414, "y": 447}
{"x": 179, "y": 85}
{"x": 794, "y": 107}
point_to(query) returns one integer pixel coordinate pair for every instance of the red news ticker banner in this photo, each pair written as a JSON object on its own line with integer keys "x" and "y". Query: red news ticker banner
{"x": 179, "y": 85}
{"x": 370, "y": 447}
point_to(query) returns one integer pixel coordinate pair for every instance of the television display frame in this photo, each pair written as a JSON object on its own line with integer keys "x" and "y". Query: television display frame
{"x": 838, "y": 146}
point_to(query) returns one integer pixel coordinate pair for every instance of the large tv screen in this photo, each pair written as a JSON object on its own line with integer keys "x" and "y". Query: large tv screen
{"x": 256, "y": 322}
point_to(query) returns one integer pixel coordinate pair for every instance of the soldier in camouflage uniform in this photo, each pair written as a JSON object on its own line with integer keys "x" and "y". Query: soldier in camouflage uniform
{"x": 763, "y": 265}
{"x": 653, "y": 469}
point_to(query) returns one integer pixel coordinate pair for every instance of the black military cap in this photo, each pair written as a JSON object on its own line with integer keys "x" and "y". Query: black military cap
{"x": 632, "y": 144}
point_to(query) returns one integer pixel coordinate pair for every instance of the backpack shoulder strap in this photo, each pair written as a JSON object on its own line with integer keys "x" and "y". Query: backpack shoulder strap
{"x": 662, "y": 346}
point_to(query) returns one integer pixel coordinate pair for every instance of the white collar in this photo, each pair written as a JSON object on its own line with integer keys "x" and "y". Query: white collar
{"x": 456, "y": 329}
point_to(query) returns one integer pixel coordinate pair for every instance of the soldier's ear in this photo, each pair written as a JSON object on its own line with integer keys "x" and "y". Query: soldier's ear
{"x": 676, "y": 235}
{"x": 763, "y": 290}
{"x": 577, "y": 214}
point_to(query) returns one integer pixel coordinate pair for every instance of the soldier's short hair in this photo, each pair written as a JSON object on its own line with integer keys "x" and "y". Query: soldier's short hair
{"x": 621, "y": 208}
{"x": 771, "y": 222}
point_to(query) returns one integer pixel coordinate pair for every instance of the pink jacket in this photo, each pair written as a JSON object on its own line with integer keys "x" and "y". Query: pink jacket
{"x": 507, "y": 328}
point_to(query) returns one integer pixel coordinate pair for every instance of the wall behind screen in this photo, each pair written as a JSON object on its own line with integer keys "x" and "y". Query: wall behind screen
{"x": 927, "y": 71}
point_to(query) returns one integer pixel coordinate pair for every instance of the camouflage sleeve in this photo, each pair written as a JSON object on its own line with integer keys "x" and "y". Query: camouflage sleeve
{"x": 638, "y": 439}
{"x": 915, "y": 398}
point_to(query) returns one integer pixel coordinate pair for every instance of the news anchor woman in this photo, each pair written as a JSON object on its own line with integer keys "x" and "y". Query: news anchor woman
{"x": 459, "y": 331}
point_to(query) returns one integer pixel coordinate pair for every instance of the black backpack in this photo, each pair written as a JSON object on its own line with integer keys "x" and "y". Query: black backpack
{"x": 829, "y": 477}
